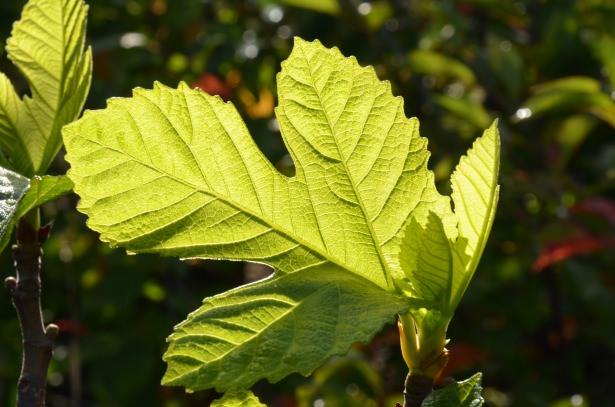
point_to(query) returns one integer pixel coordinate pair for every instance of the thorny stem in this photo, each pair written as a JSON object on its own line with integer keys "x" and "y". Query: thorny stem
{"x": 25, "y": 290}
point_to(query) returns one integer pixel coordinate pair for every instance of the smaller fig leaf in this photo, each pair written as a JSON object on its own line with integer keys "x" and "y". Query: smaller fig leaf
{"x": 466, "y": 393}
{"x": 275, "y": 327}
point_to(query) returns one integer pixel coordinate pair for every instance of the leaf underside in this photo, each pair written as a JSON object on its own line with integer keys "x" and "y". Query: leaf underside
{"x": 47, "y": 46}
{"x": 175, "y": 172}
{"x": 466, "y": 393}
{"x": 276, "y": 326}
{"x": 440, "y": 257}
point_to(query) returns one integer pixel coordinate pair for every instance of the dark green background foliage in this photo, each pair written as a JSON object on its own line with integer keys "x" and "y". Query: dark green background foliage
{"x": 538, "y": 319}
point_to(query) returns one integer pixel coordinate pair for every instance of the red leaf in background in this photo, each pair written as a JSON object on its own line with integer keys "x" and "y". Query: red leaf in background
{"x": 462, "y": 356}
{"x": 560, "y": 251}
{"x": 71, "y": 327}
{"x": 601, "y": 207}
{"x": 213, "y": 85}
{"x": 285, "y": 400}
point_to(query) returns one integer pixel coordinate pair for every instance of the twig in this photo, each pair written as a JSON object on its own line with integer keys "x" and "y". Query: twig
{"x": 25, "y": 290}
{"x": 416, "y": 388}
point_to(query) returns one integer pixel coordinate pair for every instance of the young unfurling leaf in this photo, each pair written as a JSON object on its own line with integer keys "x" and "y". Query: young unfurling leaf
{"x": 47, "y": 45}
{"x": 12, "y": 188}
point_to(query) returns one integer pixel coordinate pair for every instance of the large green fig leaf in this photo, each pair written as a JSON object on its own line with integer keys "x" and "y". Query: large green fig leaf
{"x": 47, "y": 45}
{"x": 175, "y": 172}
{"x": 240, "y": 398}
{"x": 466, "y": 393}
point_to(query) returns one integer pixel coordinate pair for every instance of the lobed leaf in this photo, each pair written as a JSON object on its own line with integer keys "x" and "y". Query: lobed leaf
{"x": 175, "y": 172}
{"x": 275, "y": 327}
{"x": 460, "y": 394}
{"x": 240, "y": 398}
{"x": 47, "y": 45}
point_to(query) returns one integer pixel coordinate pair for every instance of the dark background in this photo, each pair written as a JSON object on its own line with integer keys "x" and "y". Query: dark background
{"x": 538, "y": 318}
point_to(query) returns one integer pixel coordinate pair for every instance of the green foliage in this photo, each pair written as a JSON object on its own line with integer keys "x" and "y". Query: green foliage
{"x": 440, "y": 259}
{"x": 42, "y": 190}
{"x": 12, "y": 188}
{"x": 174, "y": 171}
{"x": 268, "y": 329}
{"x": 329, "y": 383}
{"x": 466, "y": 393}
{"x": 238, "y": 399}
{"x": 441, "y": 66}
{"x": 25, "y": 195}
{"x": 47, "y": 45}
{"x": 570, "y": 94}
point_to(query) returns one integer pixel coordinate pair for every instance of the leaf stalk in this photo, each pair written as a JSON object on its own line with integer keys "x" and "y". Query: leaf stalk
{"x": 423, "y": 339}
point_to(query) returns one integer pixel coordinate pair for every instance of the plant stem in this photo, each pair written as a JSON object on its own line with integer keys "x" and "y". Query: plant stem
{"x": 25, "y": 290}
{"x": 416, "y": 388}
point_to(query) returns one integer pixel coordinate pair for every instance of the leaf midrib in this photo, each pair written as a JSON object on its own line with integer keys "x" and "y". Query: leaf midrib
{"x": 376, "y": 243}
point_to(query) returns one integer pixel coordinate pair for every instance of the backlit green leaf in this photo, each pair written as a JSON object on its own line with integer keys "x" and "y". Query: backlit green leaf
{"x": 238, "y": 399}
{"x": 174, "y": 171}
{"x": 426, "y": 256}
{"x": 461, "y": 394}
{"x": 47, "y": 45}
{"x": 10, "y": 106}
{"x": 440, "y": 258}
{"x": 277, "y": 326}
{"x": 475, "y": 197}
